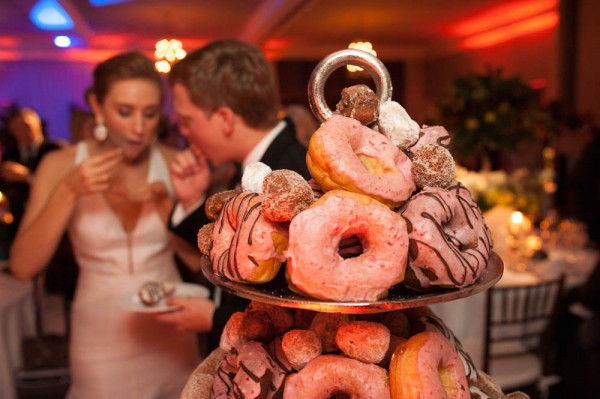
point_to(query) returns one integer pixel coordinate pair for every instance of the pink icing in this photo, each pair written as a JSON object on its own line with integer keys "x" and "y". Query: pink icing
{"x": 333, "y": 162}
{"x": 314, "y": 265}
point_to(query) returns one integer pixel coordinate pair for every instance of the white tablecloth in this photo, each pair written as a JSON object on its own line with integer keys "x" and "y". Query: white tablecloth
{"x": 17, "y": 320}
{"x": 466, "y": 317}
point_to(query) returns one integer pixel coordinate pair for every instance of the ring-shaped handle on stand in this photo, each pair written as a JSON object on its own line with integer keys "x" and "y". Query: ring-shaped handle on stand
{"x": 316, "y": 84}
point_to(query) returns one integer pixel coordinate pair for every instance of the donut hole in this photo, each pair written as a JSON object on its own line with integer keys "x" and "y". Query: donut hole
{"x": 350, "y": 247}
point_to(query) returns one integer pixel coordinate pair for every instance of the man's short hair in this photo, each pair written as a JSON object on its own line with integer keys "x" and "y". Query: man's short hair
{"x": 233, "y": 74}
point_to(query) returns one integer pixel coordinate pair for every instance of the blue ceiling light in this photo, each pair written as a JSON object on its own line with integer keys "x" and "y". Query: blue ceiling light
{"x": 49, "y": 15}
{"x": 100, "y": 3}
{"x": 62, "y": 41}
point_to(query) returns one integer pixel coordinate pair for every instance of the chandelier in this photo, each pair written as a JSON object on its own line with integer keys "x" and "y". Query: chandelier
{"x": 167, "y": 53}
{"x": 364, "y": 46}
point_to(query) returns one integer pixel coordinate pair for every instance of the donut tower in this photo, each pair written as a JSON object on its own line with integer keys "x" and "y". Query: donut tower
{"x": 339, "y": 269}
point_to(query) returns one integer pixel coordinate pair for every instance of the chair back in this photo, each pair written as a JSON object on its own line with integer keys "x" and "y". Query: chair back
{"x": 520, "y": 320}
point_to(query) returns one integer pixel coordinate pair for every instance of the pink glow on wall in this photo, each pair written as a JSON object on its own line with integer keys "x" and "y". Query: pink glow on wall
{"x": 500, "y": 15}
{"x": 535, "y": 24}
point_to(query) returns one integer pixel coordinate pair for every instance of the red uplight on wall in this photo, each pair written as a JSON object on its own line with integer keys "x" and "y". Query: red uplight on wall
{"x": 538, "y": 23}
{"x": 500, "y": 15}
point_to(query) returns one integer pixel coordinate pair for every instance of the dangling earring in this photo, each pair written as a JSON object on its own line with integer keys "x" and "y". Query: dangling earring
{"x": 100, "y": 132}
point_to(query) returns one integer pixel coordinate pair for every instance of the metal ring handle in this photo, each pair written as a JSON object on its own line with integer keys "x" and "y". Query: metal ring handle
{"x": 316, "y": 84}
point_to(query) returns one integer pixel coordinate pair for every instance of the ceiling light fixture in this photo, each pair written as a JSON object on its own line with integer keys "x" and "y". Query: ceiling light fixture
{"x": 364, "y": 46}
{"x": 167, "y": 53}
{"x": 50, "y": 15}
{"x": 62, "y": 41}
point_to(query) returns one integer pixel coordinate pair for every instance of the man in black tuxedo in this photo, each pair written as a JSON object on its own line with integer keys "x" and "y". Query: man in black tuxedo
{"x": 226, "y": 98}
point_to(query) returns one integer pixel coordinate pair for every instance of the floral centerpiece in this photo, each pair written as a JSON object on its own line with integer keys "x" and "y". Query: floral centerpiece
{"x": 488, "y": 114}
{"x": 521, "y": 190}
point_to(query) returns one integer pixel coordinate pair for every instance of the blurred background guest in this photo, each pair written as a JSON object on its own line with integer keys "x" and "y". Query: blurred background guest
{"x": 113, "y": 195}
{"x": 23, "y": 146}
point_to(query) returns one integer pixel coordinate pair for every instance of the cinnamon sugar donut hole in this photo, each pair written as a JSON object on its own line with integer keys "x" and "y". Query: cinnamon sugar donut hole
{"x": 433, "y": 166}
{"x": 281, "y": 318}
{"x": 363, "y": 340}
{"x": 215, "y": 202}
{"x": 300, "y": 347}
{"x": 326, "y": 326}
{"x": 286, "y": 194}
{"x": 205, "y": 238}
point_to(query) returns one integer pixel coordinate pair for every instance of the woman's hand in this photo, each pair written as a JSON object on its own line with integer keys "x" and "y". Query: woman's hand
{"x": 194, "y": 314}
{"x": 190, "y": 176}
{"x": 94, "y": 174}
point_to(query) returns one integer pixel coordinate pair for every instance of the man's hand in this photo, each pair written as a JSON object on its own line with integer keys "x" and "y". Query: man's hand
{"x": 190, "y": 176}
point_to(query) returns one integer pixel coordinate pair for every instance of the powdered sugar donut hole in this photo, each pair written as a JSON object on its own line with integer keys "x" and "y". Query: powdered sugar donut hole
{"x": 253, "y": 177}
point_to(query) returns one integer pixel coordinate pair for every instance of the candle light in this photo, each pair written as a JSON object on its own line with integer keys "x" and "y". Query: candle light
{"x": 516, "y": 223}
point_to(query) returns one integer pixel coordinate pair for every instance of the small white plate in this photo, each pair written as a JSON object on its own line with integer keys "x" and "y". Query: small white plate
{"x": 131, "y": 301}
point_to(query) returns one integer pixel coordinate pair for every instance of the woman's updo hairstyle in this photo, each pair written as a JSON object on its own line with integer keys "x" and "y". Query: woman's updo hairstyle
{"x": 132, "y": 65}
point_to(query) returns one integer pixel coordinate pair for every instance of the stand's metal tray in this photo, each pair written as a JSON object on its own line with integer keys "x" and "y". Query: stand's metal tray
{"x": 277, "y": 293}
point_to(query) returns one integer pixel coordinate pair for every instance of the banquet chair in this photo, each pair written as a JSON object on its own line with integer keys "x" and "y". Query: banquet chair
{"x": 518, "y": 335}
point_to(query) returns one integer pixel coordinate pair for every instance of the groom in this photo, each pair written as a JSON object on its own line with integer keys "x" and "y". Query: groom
{"x": 226, "y": 99}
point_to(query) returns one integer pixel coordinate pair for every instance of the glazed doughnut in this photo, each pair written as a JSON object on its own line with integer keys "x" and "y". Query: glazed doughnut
{"x": 327, "y": 375}
{"x": 286, "y": 194}
{"x": 325, "y": 325}
{"x": 300, "y": 347}
{"x": 449, "y": 243}
{"x": 214, "y": 203}
{"x": 359, "y": 102}
{"x": 433, "y": 166}
{"x": 343, "y": 154}
{"x": 252, "y": 370}
{"x": 395, "y": 123}
{"x": 363, "y": 340}
{"x": 314, "y": 266}
{"x": 247, "y": 247}
{"x": 428, "y": 321}
{"x": 427, "y": 367}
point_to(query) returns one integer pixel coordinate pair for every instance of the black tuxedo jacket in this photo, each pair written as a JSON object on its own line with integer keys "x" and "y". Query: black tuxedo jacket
{"x": 285, "y": 152}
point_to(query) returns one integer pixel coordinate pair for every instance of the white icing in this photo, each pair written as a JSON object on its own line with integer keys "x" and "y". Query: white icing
{"x": 395, "y": 123}
{"x": 253, "y": 177}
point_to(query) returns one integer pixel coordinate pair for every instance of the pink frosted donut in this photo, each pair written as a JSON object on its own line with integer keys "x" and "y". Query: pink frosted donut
{"x": 343, "y": 154}
{"x": 252, "y": 370}
{"x": 327, "y": 375}
{"x": 449, "y": 243}
{"x": 427, "y": 367}
{"x": 314, "y": 265}
{"x": 246, "y": 246}
{"x": 431, "y": 135}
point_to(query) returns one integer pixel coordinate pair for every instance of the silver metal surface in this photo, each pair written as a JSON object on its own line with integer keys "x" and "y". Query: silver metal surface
{"x": 316, "y": 84}
{"x": 398, "y": 298}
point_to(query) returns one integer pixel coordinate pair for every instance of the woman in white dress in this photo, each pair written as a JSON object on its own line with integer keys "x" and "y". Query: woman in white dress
{"x": 113, "y": 195}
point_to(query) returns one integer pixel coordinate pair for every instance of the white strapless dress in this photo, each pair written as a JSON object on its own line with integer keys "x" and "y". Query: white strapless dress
{"x": 116, "y": 353}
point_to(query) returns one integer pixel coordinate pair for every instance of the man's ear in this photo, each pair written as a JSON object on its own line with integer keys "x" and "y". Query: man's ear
{"x": 227, "y": 117}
